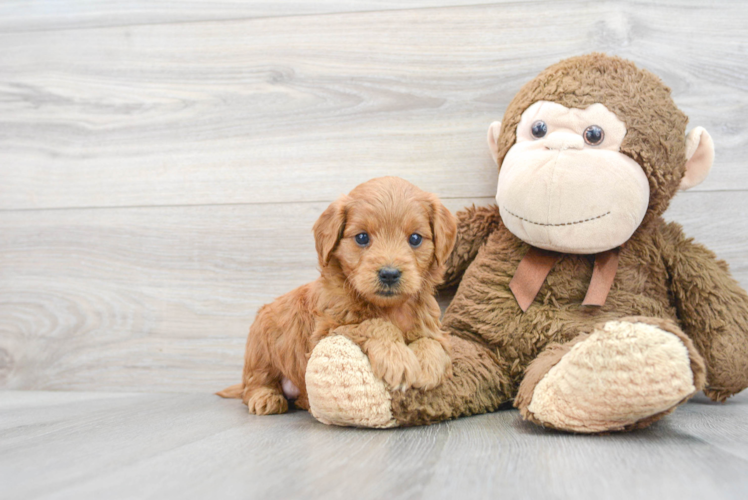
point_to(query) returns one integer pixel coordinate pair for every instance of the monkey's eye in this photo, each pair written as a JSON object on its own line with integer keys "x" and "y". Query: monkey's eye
{"x": 594, "y": 135}
{"x": 415, "y": 240}
{"x": 362, "y": 239}
{"x": 539, "y": 129}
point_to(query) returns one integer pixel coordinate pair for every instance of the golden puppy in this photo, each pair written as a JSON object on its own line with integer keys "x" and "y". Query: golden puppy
{"x": 381, "y": 252}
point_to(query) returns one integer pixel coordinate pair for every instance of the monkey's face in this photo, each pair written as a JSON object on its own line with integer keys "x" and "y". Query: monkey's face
{"x": 565, "y": 186}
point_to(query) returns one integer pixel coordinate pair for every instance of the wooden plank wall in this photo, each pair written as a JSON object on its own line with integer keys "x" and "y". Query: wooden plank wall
{"x": 161, "y": 163}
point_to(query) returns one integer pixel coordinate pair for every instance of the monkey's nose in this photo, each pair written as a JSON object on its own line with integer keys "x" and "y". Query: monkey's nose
{"x": 563, "y": 140}
{"x": 389, "y": 276}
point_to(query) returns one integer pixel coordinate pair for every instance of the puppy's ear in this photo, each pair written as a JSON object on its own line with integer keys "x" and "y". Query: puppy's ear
{"x": 444, "y": 228}
{"x": 329, "y": 229}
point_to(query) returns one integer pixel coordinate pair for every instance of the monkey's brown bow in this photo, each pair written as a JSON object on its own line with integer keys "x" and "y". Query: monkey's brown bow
{"x": 535, "y": 266}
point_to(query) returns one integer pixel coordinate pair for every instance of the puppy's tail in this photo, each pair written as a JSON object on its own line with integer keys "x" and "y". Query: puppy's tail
{"x": 235, "y": 391}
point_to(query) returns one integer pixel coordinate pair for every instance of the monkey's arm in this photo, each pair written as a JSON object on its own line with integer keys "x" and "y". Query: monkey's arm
{"x": 474, "y": 225}
{"x": 712, "y": 309}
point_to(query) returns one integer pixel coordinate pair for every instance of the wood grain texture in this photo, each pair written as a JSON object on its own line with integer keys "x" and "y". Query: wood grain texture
{"x": 295, "y": 108}
{"x": 150, "y": 298}
{"x": 47, "y": 15}
{"x": 161, "y": 298}
{"x": 160, "y": 176}
{"x": 68, "y": 445}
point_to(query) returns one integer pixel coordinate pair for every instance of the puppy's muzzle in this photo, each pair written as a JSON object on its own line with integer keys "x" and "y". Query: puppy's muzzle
{"x": 389, "y": 276}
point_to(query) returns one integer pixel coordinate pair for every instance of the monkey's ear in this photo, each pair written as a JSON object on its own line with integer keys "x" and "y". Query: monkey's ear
{"x": 493, "y": 140}
{"x": 328, "y": 230}
{"x": 699, "y": 157}
{"x": 444, "y": 229}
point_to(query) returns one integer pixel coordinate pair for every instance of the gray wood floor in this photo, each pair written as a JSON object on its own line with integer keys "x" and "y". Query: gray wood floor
{"x": 98, "y": 445}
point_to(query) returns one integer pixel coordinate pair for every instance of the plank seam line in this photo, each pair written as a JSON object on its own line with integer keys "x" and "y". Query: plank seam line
{"x": 187, "y": 205}
{"x": 298, "y": 202}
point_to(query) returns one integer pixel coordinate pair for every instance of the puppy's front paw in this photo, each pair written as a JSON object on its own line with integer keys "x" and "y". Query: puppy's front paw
{"x": 435, "y": 363}
{"x": 267, "y": 401}
{"x": 393, "y": 362}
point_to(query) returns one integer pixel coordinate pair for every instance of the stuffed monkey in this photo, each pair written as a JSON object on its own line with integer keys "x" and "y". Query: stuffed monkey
{"x": 576, "y": 300}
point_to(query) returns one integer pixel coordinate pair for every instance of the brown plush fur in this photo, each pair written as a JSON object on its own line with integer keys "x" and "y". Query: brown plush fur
{"x": 474, "y": 225}
{"x": 478, "y": 385}
{"x": 661, "y": 274}
{"x": 398, "y": 328}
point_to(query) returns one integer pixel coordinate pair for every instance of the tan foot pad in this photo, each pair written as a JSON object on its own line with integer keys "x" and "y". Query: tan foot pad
{"x": 620, "y": 375}
{"x": 342, "y": 388}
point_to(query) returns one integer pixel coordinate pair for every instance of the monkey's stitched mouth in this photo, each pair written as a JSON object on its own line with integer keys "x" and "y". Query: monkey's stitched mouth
{"x": 556, "y": 225}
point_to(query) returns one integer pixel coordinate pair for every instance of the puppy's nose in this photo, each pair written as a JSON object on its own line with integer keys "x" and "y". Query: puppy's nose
{"x": 389, "y": 276}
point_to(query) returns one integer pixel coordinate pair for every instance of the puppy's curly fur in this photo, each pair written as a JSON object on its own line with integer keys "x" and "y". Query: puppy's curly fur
{"x": 393, "y": 317}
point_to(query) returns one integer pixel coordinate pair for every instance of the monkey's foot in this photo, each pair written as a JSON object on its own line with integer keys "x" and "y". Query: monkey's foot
{"x": 624, "y": 375}
{"x": 343, "y": 389}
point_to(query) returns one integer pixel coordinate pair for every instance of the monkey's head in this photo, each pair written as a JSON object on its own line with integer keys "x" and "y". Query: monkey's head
{"x": 590, "y": 150}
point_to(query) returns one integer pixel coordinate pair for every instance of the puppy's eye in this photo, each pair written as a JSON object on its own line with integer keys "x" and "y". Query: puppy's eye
{"x": 594, "y": 135}
{"x": 362, "y": 239}
{"x": 415, "y": 240}
{"x": 539, "y": 129}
